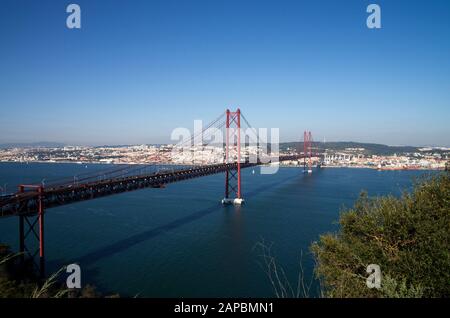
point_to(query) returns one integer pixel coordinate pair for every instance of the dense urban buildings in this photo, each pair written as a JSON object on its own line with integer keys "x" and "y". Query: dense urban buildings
{"x": 422, "y": 158}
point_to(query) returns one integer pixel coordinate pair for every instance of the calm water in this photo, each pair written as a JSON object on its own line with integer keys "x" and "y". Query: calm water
{"x": 180, "y": 241}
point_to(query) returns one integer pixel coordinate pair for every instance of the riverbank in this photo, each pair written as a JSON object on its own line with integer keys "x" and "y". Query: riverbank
{"x": 180, "y": 164}
{"x": 370, "y": 167}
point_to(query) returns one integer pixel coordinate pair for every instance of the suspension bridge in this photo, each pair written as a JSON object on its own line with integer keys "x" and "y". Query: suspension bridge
{"x": 31, "y": 201}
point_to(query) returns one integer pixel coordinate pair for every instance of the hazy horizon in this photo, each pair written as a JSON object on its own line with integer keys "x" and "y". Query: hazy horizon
{"x": 25, "y": 143}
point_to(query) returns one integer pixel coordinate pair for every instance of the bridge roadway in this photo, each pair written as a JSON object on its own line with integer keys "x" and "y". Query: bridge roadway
{"x": 27, "y": 203}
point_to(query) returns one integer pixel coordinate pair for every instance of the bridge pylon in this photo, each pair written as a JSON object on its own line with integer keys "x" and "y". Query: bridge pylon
{"x": 31, "y": 231}
{"x": 307, "y": 152}
{"x": 233, "y": 189}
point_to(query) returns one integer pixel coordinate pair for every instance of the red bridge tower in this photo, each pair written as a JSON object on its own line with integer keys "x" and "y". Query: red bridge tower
{"x": 307, "y": 152}
{"x": 233, "y": 194}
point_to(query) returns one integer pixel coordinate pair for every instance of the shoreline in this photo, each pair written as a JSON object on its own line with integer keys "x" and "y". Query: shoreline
{"x": 184, "y": 164}
{"x": 371, "y": 168}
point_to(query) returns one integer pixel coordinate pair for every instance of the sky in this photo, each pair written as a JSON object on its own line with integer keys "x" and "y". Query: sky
{"x": 136, "y": 70}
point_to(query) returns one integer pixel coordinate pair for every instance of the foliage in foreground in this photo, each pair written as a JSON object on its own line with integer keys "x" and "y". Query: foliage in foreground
{"x": 14, "y": 284}
{"x": 408, "y": 237}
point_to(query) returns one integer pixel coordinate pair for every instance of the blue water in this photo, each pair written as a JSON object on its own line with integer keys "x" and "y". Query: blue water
{"x": 181, "y": 242}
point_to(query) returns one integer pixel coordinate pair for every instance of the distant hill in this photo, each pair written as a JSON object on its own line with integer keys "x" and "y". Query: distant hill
{"x": 44, "y": 144}
{"x": 369, "y": 148}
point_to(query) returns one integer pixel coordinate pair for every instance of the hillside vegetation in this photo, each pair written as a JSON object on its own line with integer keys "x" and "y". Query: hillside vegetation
{"x": 408, "y": 237}
{"x": 369, "y": 148}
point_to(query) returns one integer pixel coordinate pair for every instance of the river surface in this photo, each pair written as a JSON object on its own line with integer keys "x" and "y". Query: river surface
{"x": 180, "y": 241}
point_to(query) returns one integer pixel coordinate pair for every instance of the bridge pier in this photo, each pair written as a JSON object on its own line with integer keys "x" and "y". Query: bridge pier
{"x": 236, "y": 201}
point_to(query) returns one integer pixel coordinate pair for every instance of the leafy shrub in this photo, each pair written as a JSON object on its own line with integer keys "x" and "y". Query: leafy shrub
{"x": 408, "y": 237}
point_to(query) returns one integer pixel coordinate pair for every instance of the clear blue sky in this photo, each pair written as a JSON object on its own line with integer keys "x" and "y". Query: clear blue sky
{"x": 138, "y": 69}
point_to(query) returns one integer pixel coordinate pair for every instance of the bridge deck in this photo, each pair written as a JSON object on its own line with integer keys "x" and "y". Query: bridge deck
{"x": 26, "y": 203}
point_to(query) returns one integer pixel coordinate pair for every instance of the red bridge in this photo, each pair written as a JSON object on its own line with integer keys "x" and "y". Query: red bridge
{"x": 30, "y": 202}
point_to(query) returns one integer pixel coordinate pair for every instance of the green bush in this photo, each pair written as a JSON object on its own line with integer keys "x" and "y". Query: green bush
{"x": 408, "y": 237}
{"x": 25, "y": 285}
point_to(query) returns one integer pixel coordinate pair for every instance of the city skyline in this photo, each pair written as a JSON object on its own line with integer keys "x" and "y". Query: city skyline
{"x": 132, "y": 74}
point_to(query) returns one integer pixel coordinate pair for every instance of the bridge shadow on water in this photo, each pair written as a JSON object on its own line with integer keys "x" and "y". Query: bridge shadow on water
{"x": 122, "y": 245}
{"x": 90, "y": 273}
